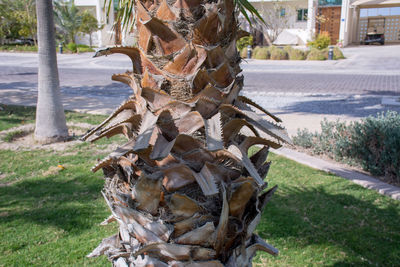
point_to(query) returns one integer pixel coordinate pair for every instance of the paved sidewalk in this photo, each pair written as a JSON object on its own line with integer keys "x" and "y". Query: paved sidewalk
{"x": 354, "y": 176}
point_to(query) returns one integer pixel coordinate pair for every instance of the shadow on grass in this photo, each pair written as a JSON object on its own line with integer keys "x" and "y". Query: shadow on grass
{"x": 367, "y": 232}
{"x": 62, "y": 202}
{"x": 13, "y": 115}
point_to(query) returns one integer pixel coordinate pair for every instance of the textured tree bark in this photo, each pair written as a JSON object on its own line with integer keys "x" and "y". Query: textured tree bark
{"x": 50, "y": 119}
{"x": 183, "y": 189}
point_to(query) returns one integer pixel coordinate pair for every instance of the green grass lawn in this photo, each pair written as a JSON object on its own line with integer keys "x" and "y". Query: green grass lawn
{"x": 34, "y": 48}
{"x": 318, "y": 219}
{"x": 49, "y": 216}
{"x": 12, "y": 116}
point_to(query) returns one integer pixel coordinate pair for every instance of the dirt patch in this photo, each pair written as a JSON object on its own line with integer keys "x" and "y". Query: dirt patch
{"x": 4, "y": 214}
{"x": 53, "y": 170}
{"x": 23, "y": 139}
{"x": 7, "y": 184}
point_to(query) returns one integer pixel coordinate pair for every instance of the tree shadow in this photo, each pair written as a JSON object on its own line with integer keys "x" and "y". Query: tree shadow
{"x": 109, "y": 90}
{"x": 67, "y": 205}
{"x": 354, "y": 107}
{"x": 23, "y": 73}
{"x": 83, "y": 98}
{"x": 16, "y": 114}
{"x": 383, "y": 93}
{"x": 368, "y": 233}
{"x": 18, "y": 85}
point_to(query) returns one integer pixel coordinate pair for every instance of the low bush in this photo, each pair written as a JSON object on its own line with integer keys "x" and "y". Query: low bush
{"x": 82, "y": 46}
{"x": 255, "y": 50}
{"x": 376, "y": 145}
{"x": 243, "y": 52}
{"x": 304, "y": 138}
{"x": 320, "y": 42}
{"x": 291, "y": 53}
{"x": 278, "y": 53}
{"x": 332, "y": 140}
{"x": 261, "y": 53}
{"x": 373, "y": 143}
{"x": 84, "y": 49}
{"x": 295, "y": 54}
{"x": 19, "y": 48}
{"x": 72, "y": 47}
{"x": 337, "y": 53}
{"x": 316, "y": 54}
{"x": 244, "y": 42}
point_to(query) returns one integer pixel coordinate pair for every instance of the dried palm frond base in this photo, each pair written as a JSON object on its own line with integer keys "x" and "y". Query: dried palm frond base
{"x": 183, "y": 189}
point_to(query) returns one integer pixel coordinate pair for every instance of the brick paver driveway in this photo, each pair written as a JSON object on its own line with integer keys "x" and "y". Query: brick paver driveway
{"x": 372, "y": 70}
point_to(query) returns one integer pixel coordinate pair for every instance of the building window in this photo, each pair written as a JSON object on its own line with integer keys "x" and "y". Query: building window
{"x": 374, "y": 12}
{"x": 302, "y": 14}
{"x": 116, "y": 4}
{"x": 329, "y": 2}
{"x": 282, "y": 12}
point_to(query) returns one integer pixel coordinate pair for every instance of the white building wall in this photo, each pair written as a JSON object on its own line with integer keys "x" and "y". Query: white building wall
{"x": 344, "y": 22}
{"x": 106, "y": 36}
{"x": 297, "y": 28}
{"x": 312, "y": 13}
{"x": 86, "y": 2}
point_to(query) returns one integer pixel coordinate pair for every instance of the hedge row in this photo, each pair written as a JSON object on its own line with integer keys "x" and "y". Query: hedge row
{"x": 288, "y": 52}
{"x": 373, "y": 143}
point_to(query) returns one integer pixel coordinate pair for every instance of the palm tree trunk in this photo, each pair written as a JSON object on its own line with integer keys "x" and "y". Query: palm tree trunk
{"x": 183, "y": 189}
{"x": 50, "y": 119}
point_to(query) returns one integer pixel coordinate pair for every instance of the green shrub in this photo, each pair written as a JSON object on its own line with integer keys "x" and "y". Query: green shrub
{"x": 278, "y": 53}
{"x": 332, "y": 140}
{"x": 337, "y": 53}
{"x": 20, "y": 48}
{"x": 376, "y": 145}
{"x": 295, "y": 54}
{"x": 316, "y": 54}
{"x": 304, "y": 138}
{"x": 243, "y": 52}
{"x": 82, "y": 46}
{"x": 244, "y": 42}
{"x": 261, "y": 53}
{"x": 321, "y": 41}
{"x": 373, "y": 143}
{"x": 72, "y": 47}
{"x": 255, "y": 50}
{"x": 85, "y": 49}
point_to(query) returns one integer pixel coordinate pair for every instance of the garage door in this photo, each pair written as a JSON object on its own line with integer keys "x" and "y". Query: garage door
{"x": 389, "y": 18}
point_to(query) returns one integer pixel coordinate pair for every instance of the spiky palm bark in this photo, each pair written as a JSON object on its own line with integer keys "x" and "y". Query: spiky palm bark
{"x": 183, "y": 189}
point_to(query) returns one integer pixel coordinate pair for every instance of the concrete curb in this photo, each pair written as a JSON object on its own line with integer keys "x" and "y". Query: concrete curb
{"x": 354, "y": 176}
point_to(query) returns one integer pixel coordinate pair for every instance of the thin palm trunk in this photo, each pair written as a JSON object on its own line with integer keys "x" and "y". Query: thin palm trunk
{"x": 183, "y": 189}
{"x": 50, "y": 119}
